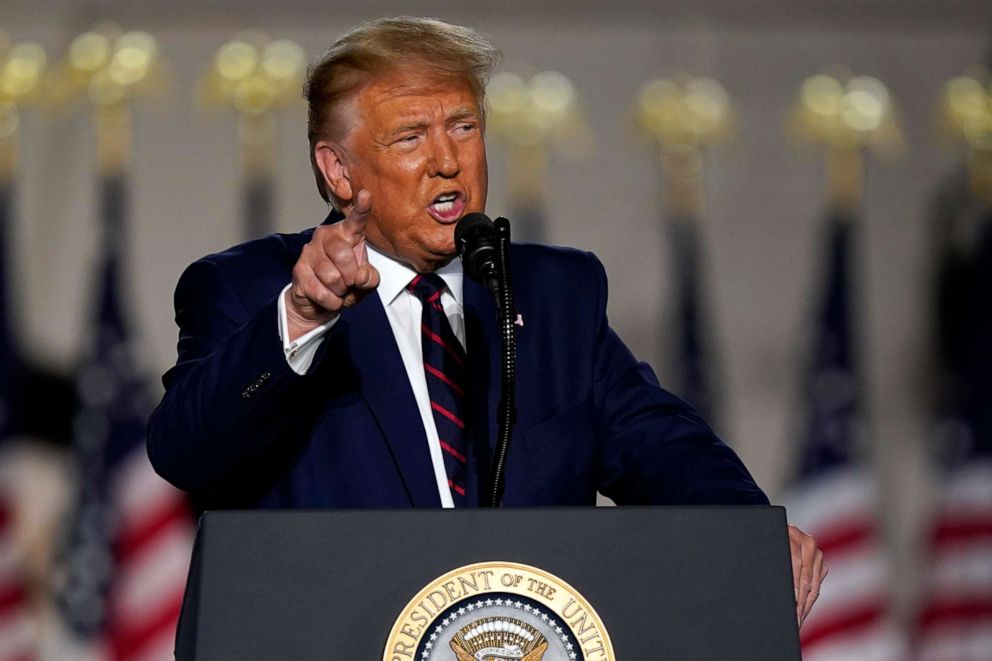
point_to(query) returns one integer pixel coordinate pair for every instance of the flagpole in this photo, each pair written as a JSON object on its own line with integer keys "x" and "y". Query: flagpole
{"x": 10, "y": 356}
{"x": 256, "y": 77}
{"x": 835, "y": 489}
{"x": 682, "y": 118}
{"x": 257, "y": 133}
{"x": 123, "y": 513}
{"x": 83, "y": 589}
{"x": 22, "y": 68}
{"x": 531, "y": 116}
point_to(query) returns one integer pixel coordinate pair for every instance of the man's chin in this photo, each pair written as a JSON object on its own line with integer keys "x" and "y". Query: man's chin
{"x": 440, "y": 260}
{"x": 444, "y": 249}
{"x": 429, "y": 260}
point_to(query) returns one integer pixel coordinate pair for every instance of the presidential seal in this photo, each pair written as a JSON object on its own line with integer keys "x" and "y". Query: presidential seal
{"x": 498, "y": 611}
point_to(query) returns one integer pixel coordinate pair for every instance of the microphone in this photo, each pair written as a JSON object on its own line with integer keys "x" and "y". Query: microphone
{"x": 475, "y": 241}
{"x": 484, "y": 247}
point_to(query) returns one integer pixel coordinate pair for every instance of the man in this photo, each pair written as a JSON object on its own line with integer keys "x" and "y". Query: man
{"x": 354, "y": 366}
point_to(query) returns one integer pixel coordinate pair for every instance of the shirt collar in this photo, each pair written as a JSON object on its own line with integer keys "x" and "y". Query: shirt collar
{"x": 394, "y": 276}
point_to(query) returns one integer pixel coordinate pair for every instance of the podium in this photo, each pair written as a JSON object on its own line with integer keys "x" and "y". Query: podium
{"x": 632, "y": 583}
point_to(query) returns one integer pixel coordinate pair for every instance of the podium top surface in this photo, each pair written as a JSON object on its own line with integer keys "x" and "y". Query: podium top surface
{"x": 666, "y": 582}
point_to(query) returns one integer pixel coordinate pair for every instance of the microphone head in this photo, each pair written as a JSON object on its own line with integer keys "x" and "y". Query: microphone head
{"x": 472, "y": 228}
{"x": 475, "y": 241}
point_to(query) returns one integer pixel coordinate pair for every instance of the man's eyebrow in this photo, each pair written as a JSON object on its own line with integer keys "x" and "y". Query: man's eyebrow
{"x": 464, "y": 112}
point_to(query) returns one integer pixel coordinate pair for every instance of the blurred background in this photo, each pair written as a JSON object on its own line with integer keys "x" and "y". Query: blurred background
{"x": 790, "y": 198}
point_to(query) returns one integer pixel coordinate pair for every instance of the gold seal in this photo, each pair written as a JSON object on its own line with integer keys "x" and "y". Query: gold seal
{"x": 498, "y": 611}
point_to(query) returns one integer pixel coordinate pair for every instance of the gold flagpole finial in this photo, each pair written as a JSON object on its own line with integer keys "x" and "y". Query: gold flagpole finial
{"x": 255, "y": 76}
{"x": 110, "y": 68}
{"x": 682, "y": 116}
{"x": 532, "y": 114}
{"x": 686, "y": 114}
{"x": 22, "y": 68}
{"x": 966, "y": 114}
{"x": 847, "y": 117}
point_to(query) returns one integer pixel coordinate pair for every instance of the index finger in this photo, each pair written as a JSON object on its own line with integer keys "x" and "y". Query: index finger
{"x": 356, "y": 220}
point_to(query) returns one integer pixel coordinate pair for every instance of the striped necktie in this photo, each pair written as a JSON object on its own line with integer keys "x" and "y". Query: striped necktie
{"x": 444, "y": 367}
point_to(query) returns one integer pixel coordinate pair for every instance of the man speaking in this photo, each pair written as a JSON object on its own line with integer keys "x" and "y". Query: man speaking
{"x": 353, "y": 365}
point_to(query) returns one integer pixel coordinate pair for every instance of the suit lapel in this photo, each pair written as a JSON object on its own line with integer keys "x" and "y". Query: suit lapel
{"x": 482, "y": 339}
{"x": 390, "y": 398}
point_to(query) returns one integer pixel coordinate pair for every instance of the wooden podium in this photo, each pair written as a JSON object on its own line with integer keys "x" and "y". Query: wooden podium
{"x": 687, "y": 584}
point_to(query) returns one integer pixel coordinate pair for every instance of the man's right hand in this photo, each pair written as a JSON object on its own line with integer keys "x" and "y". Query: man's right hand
{"x": 332, "y": 273}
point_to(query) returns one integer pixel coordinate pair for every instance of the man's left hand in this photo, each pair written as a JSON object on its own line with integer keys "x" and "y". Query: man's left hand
{"x": 808, "y": 571}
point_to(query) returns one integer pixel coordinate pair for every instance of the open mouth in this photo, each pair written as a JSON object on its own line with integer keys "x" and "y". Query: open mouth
{"x": 447, "y": 207}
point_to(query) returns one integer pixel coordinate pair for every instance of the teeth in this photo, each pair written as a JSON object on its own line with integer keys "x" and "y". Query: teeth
{"x": 445, "y": 203}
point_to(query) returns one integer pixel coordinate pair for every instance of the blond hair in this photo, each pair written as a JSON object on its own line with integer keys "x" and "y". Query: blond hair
{"x": 379, "y": 47}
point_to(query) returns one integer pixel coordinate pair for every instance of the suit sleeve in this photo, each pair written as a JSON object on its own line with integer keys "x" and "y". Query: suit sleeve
{"x": 654, "y": 448}
{"x": 227, "y": 400}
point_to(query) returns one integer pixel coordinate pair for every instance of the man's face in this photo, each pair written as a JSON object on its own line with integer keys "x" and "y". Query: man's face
{"x": 416, "y": 145}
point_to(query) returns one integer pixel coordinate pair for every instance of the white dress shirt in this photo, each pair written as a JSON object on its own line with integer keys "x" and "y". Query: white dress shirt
{"x": 403, "y": 310}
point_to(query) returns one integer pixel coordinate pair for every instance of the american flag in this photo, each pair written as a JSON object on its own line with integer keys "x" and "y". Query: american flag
{"x": 126, "y": 548}
{"x": 834, "y": 497}
{"x": 955, "y": 621}
{"x": 17, "y": 622}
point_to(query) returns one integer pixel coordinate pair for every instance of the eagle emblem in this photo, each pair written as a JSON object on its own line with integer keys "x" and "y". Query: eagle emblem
{"x": 498, "y": 639}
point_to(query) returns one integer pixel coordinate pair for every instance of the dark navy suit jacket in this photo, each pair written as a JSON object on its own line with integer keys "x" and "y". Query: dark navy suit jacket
{"x": 239, "y": 428}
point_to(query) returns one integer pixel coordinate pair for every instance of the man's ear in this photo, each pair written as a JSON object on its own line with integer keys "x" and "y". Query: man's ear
{"x": 329, "y": 157}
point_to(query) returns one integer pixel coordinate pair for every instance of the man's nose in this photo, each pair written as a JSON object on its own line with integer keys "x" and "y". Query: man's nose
{"x": 444, "y": 157}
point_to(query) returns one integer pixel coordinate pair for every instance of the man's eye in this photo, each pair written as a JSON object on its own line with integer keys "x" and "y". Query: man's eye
{"x": 408, "y": 138}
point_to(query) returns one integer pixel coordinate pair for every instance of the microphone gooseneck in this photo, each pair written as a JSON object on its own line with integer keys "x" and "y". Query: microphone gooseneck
{"x": 485, "y": 251}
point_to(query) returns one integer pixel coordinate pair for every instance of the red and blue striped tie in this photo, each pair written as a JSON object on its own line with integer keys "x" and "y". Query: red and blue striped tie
{"x": 444, "y": 367}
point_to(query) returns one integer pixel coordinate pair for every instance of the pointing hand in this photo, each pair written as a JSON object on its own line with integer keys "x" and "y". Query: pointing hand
{"x": 333, "y": 271}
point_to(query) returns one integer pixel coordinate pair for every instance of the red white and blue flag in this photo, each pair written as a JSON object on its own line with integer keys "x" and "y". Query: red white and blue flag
{"x": 126, "y": 548}
{"x": 955, "y": 620}
{"x": 834, "y": 497}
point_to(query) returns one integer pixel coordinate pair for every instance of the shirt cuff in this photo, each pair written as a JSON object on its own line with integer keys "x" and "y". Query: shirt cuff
{"x": 300, "y": 352}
